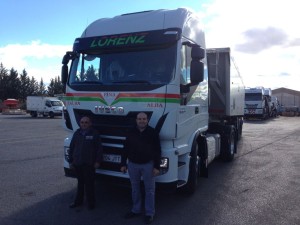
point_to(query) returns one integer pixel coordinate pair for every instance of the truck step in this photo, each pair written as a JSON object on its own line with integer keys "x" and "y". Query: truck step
{"x": 181, "y": 164}
{"x": 180, "y": 183}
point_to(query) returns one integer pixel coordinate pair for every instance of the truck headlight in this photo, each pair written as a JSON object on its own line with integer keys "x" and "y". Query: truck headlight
{"x": 67, "y": 153}
{"x": 164, "y": 165}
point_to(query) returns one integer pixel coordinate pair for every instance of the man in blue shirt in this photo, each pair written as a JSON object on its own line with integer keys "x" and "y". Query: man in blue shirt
{"x": 85, "y": 157}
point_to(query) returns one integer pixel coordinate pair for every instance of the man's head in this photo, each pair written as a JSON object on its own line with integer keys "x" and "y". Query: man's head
{"x": 142, "y": 120}
{"x": 85, "y": 123}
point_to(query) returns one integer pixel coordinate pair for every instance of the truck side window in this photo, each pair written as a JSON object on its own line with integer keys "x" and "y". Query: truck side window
{"x": 185, "y": 77}
{"x": 185, "y": 64}
{"x": 48, "y": 104}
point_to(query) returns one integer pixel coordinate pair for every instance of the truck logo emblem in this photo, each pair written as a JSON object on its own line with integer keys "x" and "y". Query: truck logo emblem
{"x": 109, "y": 110}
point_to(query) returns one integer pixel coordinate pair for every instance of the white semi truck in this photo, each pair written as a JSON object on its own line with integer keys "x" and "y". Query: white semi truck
{"x": 44, "y": 106}
{"x": 155, "y": 62}
{"x": 256, "y": 103}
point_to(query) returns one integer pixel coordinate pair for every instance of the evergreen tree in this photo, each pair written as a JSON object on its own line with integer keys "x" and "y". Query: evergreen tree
{"x": 55, "y": 87}
{"x": 33, "y": 87}
{"x": 42, "y": 88}
{"x": 14, "y": 85}
{"x": 25, "y": 84}
{"x": 3, "y": 81}
{"x": 51, "y": 88}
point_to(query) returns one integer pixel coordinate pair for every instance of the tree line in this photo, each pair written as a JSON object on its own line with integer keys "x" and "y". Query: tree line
{"x": 19, "y": 86}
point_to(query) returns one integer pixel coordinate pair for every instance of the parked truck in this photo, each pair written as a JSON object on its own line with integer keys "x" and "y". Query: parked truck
{"x": 155, "y": 62}
{"x": 44, "y": 106}
{"x": 256, "y": 103}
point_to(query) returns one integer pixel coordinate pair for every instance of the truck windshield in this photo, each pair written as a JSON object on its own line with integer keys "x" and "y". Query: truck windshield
{"x": 155, "y": 66}
{"x": 56, "y": 103}
{"x": 253, "y": 97}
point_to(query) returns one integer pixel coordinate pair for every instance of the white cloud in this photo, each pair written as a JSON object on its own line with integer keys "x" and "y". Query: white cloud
{"x": 263, "y": 37}
{"x": 40, "y": 60}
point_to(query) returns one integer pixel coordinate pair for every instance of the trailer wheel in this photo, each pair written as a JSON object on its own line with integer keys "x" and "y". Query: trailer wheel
{"x": 239, "y": 130}
{"x": 229, "y": 144}
{"x": 194, "y": 172}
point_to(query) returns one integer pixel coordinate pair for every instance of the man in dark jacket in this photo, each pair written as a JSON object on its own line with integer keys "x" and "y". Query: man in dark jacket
{"x": 143, "y": 151}
{"x": 85, "y": 157}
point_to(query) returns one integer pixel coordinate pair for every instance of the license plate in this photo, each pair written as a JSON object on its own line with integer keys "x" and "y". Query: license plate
{"x": 111, "y": 158}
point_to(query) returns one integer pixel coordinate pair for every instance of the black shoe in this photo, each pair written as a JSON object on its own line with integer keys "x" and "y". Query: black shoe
{"x": 148, "y": 219}
{"x": 131, "y": 215}
{"x": 74, "y": 205}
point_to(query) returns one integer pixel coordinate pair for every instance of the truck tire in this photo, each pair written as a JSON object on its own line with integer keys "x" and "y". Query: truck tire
{"x": 239, "y": 130}
{"x": 229, "y": 144}
{"x": 51, "y": 114}
{"x": 191, "y": 185}
{"x": 33, "y": 114}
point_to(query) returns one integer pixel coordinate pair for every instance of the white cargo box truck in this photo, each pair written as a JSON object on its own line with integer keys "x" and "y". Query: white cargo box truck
{"x": 44, "y": 106}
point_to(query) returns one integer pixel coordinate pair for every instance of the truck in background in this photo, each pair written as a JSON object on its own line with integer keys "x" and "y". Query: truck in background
{"x": 44, "y": 106}
{"x": 256, "y": 103}
{"x": 268, "y": 96}
{"x": 275, "y": 106}
{"x": 159, "y": 64}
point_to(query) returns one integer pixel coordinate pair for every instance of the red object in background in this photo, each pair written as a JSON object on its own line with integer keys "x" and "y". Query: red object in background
{"x": 11, "y": 103}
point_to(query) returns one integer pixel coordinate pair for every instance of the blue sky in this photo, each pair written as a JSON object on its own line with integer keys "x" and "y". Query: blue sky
{"x": 263, "y": 35}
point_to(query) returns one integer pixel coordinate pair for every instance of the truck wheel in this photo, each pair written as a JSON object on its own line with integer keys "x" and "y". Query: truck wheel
{"x": 33, "y": 114}
{"x": 194, "y": 172}
{"x": 51, "y": 114}
{"x": 229, "y": 144}
{"x": 240, "y": 129}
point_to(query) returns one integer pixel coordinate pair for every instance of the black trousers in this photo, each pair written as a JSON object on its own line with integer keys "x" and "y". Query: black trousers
{"x": 86, "y": 184}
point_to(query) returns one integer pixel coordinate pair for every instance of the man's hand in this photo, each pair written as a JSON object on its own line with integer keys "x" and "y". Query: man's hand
{"x": 124, "y": 169}
{"x": 155, "y": 172}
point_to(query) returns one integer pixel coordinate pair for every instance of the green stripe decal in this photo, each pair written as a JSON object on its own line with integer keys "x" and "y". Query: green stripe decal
{"x": 125, "y": 97}
{"x": 85, "y": 99}
{"x": 161, "y": 100}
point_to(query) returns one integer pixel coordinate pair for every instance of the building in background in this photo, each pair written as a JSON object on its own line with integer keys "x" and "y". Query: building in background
{"x": 289, "y": 101}
{"x": 287, "y": 97}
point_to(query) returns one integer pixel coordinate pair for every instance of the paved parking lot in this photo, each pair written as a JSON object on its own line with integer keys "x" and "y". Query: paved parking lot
{"x": 261, "y": 185}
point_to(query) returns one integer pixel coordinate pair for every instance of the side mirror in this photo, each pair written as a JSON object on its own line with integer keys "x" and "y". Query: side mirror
{"x": 197, "y": 72}
{"x": 197, "y": 52}
{"x": 197, "y": 67}
{"x": 64, "y": 73}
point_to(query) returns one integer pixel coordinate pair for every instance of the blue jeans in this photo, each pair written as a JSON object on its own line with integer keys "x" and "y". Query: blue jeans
{"x": 136, "y": 172}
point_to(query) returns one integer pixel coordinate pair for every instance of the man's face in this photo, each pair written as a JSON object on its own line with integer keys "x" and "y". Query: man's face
{"x": 141, "y": 120}
{"x": 85, "y": 123}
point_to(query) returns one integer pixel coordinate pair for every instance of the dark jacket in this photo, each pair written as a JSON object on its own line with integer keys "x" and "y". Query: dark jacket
{"x": 85, "y": 147}
{"x": 142, "y": 147}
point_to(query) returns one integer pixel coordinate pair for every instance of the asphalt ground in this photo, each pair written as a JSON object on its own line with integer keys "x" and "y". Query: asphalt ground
{"x": 260, "y": 186}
